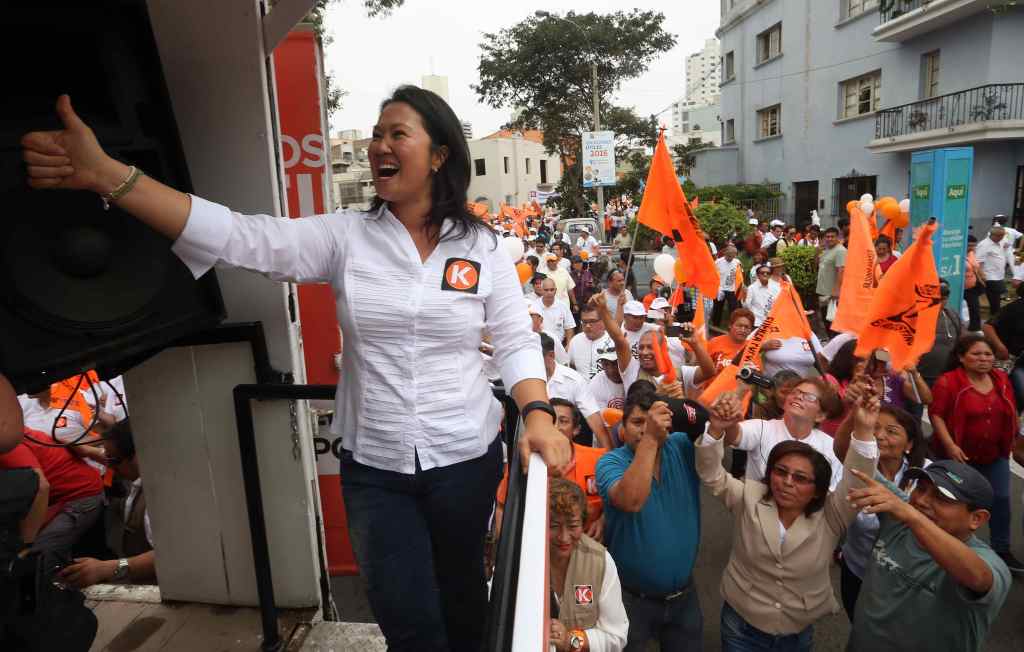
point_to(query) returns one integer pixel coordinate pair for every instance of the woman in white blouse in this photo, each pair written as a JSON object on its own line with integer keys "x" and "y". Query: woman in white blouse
{"x": 421, "y": 459}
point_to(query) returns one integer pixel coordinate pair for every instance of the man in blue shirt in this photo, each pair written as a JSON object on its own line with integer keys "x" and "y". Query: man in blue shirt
{"x": 651, "y": 495}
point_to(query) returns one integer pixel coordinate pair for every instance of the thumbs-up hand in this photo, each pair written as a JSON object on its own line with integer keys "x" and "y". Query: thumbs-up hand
{"x": 70, "y": 158}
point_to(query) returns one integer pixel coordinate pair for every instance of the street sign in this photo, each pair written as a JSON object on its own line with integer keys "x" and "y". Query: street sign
{"x": 940, "y": 181}
{"x": 598, "y": 158}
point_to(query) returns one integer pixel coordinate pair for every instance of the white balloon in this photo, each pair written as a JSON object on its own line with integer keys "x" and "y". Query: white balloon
{"x": 867, "y": 207}
{"x": 905, "y": 206}
{"x": 514, "y": 248}
{"x": 866, "y": 197}
{"x": 664, "y": 266}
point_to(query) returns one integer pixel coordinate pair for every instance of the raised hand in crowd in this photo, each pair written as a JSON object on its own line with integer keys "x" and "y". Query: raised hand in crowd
{"x": 659, "y": 422}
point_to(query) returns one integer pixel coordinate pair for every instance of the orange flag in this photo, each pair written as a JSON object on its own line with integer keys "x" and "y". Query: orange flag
{"x": 906, "y": 307}
{"x": 786, "y": 319}
{"x": 859, "y": 280}
{"x": 664, "y": 208}
{"x": 665, "y": 366}
{"x": 724, "y": 381}
{"x": 889, "y": 230}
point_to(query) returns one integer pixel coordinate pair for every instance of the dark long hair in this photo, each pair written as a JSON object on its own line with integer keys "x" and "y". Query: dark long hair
{"x": 963, "y": 345}
{"x": 844, "y": 361}
{"x": 450, "y": 184}
{"x": 822, "y": 471}
{"x": 915, "y": 458}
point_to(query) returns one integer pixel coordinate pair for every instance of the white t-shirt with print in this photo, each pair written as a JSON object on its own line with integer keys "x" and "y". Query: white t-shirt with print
{"x": 606, "y": 393}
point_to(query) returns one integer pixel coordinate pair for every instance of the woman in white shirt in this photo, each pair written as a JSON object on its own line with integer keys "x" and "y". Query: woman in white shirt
{"x": 415, "y": 411}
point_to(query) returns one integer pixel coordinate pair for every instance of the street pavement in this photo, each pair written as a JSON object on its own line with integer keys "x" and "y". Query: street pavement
{"x": 1007, "y": 635}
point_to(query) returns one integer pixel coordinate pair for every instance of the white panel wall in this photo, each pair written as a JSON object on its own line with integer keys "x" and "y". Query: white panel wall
{"x": 183, "y": 414}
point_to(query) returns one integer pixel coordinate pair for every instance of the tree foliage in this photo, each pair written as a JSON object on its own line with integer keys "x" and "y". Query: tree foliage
{"x": 541, "y": 67}
{"x": 722, "y": 221}
{"x": 316, "y": 16}
{"x": 802, "y": 267}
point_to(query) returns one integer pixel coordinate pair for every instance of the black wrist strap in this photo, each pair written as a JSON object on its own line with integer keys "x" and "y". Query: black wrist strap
{"x": 543, "y": 406}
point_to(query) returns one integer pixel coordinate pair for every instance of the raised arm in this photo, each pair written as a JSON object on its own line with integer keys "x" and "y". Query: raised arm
{"x": 953, "y": 555}
{"x": 862, "y": 458}
{"x": 705, "y": 365}
{"x": 611, "y": 325}
{"x": 710, "y": 450}
{"x": 73, "y": 159}
{"x": 631, "y": 491}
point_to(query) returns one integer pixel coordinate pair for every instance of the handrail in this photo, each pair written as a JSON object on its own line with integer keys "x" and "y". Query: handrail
{"x": 979, "y": 104}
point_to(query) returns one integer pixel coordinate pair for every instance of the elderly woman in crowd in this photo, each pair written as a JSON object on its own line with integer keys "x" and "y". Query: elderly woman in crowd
{"x": 901, "y": 446}
{"x": 776, "y": 584}
{"x": 974, "y": 415}
{"x": 584, "y": 581}
{"x": 724, "y": 348}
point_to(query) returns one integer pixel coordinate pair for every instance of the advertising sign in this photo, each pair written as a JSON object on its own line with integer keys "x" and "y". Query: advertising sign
{"x": 298, "y": 64}
{"x": 940, "y": 187}
{"x": 598, "y": 159}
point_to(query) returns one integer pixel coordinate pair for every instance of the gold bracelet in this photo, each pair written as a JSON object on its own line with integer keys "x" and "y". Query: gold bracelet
{"x": 123, "y": 189}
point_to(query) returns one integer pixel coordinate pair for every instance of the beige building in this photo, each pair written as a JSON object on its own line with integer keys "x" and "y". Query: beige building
{"x": 508, "y": 166}
{"x": 351, "y": 179}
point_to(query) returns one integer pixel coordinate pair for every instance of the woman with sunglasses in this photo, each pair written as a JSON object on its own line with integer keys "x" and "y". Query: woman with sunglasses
{"x": 777, "y": 584}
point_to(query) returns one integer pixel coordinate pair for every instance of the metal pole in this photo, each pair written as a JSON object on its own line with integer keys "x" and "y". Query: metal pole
{"x": 597, "y": 127}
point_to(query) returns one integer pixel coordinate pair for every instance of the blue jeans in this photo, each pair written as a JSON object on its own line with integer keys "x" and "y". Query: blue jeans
{"x": 998, "y": 475}
{"x": 677, "y": 625}
{"x": 419, "y": 542}
{"x": 740, "y": 636}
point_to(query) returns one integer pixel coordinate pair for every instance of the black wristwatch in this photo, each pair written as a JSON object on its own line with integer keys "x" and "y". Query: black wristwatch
{"x": 544, "y": 406}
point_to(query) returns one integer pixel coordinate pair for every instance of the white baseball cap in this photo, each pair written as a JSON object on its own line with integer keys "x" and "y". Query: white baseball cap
{"x": 607, "y": 352}
{"x": 654, "y": 313}
{"x": 634, "y": 308}
{"x": 778, "y": 223}
{"x": 660, "y": 303}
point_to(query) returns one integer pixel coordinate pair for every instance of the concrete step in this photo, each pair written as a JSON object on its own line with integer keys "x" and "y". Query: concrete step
{"x": 343, "y": 637}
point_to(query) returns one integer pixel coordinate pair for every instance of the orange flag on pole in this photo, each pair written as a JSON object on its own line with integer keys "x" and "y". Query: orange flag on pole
{"x": 665, "y": 366}
{"x": 859, "y": 280}
{"x": 724, "y": 381}
{"x": 906, "y": 307}
{"x": 786, "y": 319}
{"x": 664, "y": 208}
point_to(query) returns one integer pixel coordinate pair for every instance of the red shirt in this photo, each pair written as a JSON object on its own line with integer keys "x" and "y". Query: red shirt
{"x": 887, "y": 263}
{"x": 983, "y": 425}
{"x": 69, "y": 476}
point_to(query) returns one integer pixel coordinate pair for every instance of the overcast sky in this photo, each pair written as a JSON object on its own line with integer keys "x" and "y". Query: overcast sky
{"x": 370, "y": 57}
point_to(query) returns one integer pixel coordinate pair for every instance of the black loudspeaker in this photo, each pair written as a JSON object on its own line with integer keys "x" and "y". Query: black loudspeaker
{"x": 81, "y": 287}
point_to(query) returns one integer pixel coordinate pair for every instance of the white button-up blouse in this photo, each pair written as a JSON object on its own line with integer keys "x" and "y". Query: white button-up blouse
{"x": 412, "y": 382}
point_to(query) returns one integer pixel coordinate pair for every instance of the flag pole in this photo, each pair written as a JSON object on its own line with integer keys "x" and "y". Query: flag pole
{"x": 636, "y": 228}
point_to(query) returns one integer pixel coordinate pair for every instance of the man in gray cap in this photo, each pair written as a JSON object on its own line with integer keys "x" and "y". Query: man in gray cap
{"x": 930, "y": 583}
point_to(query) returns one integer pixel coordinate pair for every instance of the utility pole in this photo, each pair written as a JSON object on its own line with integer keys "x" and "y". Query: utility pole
{"x": 597, "y": 127}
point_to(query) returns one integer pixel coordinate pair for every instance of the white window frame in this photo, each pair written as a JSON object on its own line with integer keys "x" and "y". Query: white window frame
{"x": 729, "y": 65}
{"x": 527, "y": 166}
{"x": 729, "y": 137}
{"x": 853, "y": 8}
{"x": 931, "y": 68}
{"x": 769, "y": 121}
{"x": 769, "y": 43}
{"x": 860, "y": 95}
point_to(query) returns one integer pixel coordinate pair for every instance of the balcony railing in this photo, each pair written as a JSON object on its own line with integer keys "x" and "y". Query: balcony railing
{"x": 981, "y": 104}
{"x": 890, "y": 9}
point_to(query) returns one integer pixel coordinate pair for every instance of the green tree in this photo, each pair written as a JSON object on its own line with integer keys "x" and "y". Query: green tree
{"x": 542, "y": 68}
{"x": 722, "y": 221}
{"x": 316, "y": 17}
{"x": 802, "y": 267}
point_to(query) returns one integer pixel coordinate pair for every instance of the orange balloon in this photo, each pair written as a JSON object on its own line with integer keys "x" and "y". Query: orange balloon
{"x": 611, "y": 416}
{"x": 900, "y": 220}
{"x": 584, "y": 255}
{"x": 888, "y": 207}
{"x": 852, "y": 204}
{"x": 525, "y": 271}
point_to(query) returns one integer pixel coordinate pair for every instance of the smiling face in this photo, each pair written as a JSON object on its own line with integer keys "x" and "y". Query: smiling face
{"x": 893, "y": 440}
{"x": 950, "y": 515}
{"x": 564, "y": 532}
{"x": 645, "y": 349}
{"x": 616, "y": 282}
{"x": 978, "y": 359}
{"x": 402, "y": 156}
{"x": 792, "y": 482}
{"x": 740, "y": 329}
{"x": 804, "y": 402}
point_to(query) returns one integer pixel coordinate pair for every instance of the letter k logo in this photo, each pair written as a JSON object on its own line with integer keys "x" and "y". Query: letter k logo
{"x": 461, "y": 275}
